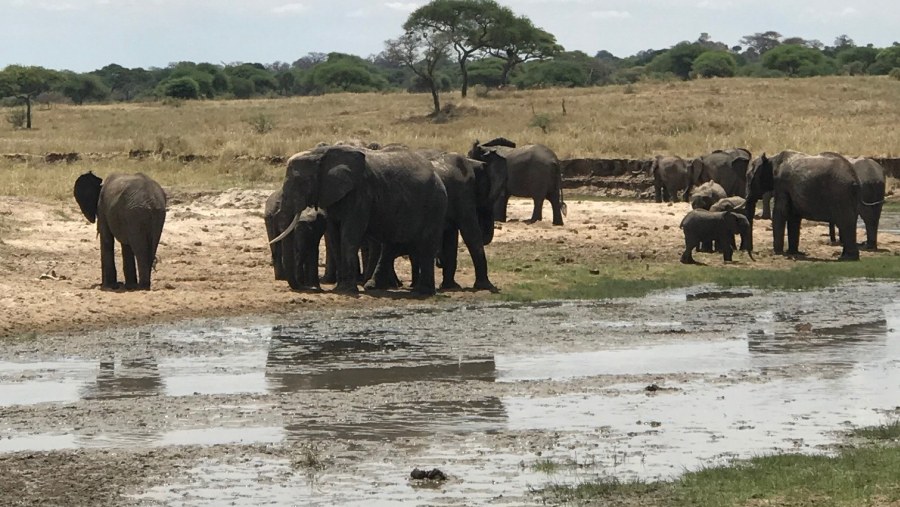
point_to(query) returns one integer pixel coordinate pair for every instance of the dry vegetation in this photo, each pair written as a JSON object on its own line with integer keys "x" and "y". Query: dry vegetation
{"x": 853, "y": 115}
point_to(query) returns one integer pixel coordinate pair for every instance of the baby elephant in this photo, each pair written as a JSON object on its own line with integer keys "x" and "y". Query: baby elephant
{"x": 720, "y": 226}
{"x": 296, "y": 257}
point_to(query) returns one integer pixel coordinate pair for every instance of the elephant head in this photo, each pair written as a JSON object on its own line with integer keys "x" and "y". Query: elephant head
{"x": 698, "y": 172}
{"x": 87, "y": 194}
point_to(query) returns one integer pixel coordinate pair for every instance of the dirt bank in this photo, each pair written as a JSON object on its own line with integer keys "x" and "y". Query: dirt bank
{"x": 214, "y": 260}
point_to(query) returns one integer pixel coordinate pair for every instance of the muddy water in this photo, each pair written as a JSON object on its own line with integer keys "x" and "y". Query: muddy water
{"x": 339, "y": 408}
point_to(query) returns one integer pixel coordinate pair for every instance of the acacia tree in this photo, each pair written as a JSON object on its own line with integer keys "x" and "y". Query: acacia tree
{"x": 420, "y": 49}
{"x": 26, "y": 83}
{"x": 467, "y": 24}
{"x": 518, "y": 41}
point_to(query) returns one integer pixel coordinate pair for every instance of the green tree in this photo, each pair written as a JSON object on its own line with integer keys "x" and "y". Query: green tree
{"x": 856, "y": 59}
{"x": 553, "y": 72}
{"x": 795, "y": 60}
{"x": 82, "y": 87}
{"x": 760, "y": 43}
{"x": 26, "y": 83}
{"x": 263, "y": 80}
{"x": 242, "y": 88}
{"x": 518, "y": 41}
{"x": 887, "y": 59}
{"x": 467, "y": 24}
{"x": 714, "y": 64}
{"x": 343, "y": 72}
{"x": 181, "y": 88}
{"x": 125, "y": 83}
{"x": 487, "y": 71}
{"x": 421, "y": 49}
{"x": 678, "y": 60}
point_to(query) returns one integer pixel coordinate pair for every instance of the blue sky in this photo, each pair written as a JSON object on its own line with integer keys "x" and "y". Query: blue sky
{"x": 84, "y": 35}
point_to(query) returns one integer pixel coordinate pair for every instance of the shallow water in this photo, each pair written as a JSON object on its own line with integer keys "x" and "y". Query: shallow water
{"x": 632, "y": 388}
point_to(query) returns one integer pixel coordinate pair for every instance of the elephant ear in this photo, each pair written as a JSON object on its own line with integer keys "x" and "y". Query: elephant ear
{"x": 87, "y": 194}
{"x": 499, "y": 141}
{"x": 341, "y": 169}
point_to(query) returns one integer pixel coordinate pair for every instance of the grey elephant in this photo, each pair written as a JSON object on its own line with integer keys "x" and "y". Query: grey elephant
{"x": 821, "y": 187}
{"x": 707, "y": 194}
{"x": 296, "y": 258}
{"x": 526, "y": 171}
{"x": 728, "y": 168}
{"x": 670, "y": 176}
{"x": 130, "y": 209}
{"x": 733, "y": 203}
{"x": 871, "y": 198}
{"x": 701, "y": 226}
{"x": 396, "y": 198}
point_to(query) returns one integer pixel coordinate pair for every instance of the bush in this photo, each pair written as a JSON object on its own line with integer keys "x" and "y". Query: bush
{"x": 714, "y": 64}
{"x": 481, "y": 91}
{"x": 895, "y": 73}
{"x": 261, "y": 124}
{"x": 181, "y": 88}
{"x": 795, "y": 60}
{"x": 541, "y": 121}
{"x": 16, "y": 118}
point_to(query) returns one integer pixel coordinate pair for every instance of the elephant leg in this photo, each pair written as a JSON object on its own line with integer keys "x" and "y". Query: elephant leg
{"x": 689, "y": 245}
{"x": 500, "y": 208}
{"x": 725, "y": 246}
{"x": 778, "y": 225}
{"x": 331, "y": 260}
{"x": 449, "y": 246}
{"x": 276, "y": 261}
{"x": 537, "y": 213}
{"x": 383, "y": 275}
{"x": 793, "y": 233}
{"x": 556, "y": 206}
{"x": 471, "y": 235}
{"x": 107, "y": 260}
{"x": 847, "y": 231}
{"x": 871, "y": 216}
{"x": 352, "y": 235}
{"x": 128, "y": 266}
{"x": 766, "y": 207}
{"x": 423, "y": 259}
{"x": 145, "y": 267}
{"x": 831, "y": 233}
{"x": 658, "y": 193}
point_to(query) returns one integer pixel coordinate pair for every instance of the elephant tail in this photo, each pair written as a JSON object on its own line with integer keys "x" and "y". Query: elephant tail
{"x": 876, "y": 203}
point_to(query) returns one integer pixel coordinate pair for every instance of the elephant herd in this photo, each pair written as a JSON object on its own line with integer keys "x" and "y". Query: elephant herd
{"x": 724, "y": 187}
{"x": 379, "y": 201}
{"x": 372, "y": 204}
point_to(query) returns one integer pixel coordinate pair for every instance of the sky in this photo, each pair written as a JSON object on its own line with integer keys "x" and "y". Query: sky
{"x": 84, "y": 35}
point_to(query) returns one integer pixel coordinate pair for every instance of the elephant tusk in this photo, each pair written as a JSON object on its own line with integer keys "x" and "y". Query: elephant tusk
{"x": 287, "y": 231}
{"x": 864, "y": 203}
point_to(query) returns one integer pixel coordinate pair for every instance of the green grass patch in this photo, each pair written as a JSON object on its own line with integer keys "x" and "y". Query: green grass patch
{"x": 864, "y": 475}
{"x": 558, "y": 279}
{"x": 891, "y": 206}
{"x": 890, "y": 431}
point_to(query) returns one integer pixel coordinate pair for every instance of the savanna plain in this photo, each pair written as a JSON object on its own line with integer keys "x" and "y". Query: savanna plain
{"x": 604, "y": 371}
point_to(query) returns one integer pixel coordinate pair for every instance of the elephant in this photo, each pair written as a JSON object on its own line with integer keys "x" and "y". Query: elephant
{"x": 733, "y": 203}
{"x": 707, "y": 194}
{"x": 821, "y": 187}
{"x": 395, "y": 198}
{"x": 728, "y": 168}
{"x": 526, "y": 171}
{"x": 130, "y": 208}
{"x": 469, "y": 214}
{"x": 701, "y": 226}
{"x": 670, "y": 176}
{"x": 300, "y": 266}
{"x": 871, "y": 198}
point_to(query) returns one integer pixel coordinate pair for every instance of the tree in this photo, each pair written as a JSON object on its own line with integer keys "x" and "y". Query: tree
{"x": 843, "y": 42}
{"x": 760, "y": 43}
{"x": 519, "y": 41}
{"x": 714, "y": 64}
{"x": 679, "y": 60}
{"x": 467, "y": 24}
{"x": 343, "y": 72}
{"x": 263, "y": 81}
{"x": 886, "y": 60}
{"x": 180, "y": 88}
{"x": 855, "y": 60}
{"x": 26, "y": 83}
{"x": 421, "y": 49}
{"x": 82, "y": 87}
{"x": 795, "y": 60}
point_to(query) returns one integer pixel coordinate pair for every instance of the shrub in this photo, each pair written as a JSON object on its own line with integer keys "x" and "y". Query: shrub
{"x": 481, "y": 91}
{"x": 541, "y": 121}
{"x": 181, "y": 88}
{"x": 261, "y": 124}
{"x": 16, "y": 118}
{"x": 714, "y": 64}
{"x": 895, "y": 73}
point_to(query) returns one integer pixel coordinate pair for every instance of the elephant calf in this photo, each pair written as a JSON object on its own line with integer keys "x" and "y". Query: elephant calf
{"x": 296, "y": 258}
{"x": 130, "y": 208}
{"x": 701, "y": 226}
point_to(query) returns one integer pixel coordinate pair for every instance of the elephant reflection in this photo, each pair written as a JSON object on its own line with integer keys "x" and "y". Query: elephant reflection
{"x": 296, "y": 364}
{"x": 129, "y": 378}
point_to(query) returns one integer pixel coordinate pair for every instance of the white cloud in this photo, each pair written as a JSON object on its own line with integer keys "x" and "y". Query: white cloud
{"x": 402, "y": 6}
{"x": 358, "y": 13}
{"x": 849, "y": 11}
{"x": 610, "y": 14}
{"x": 289, "y": 8}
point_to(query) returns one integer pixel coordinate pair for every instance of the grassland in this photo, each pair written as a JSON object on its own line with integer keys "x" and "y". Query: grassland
{"x": 853, "y": 115}
{"x": 863, "y": 474}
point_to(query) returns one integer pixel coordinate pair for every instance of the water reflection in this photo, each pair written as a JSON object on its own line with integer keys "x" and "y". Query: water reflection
{"x": 126, "y": 378}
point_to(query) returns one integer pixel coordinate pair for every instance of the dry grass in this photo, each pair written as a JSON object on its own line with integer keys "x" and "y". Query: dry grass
{"x": 853, "y": 115}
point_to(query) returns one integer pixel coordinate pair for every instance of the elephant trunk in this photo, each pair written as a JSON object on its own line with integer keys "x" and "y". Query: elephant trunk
{"x": 290, "y": 228}
{"x": 749, "y": 212}
{"x": 486, "y": 224}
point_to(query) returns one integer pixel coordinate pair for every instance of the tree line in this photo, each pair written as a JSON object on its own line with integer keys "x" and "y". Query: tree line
{"x": 452, "y": 44}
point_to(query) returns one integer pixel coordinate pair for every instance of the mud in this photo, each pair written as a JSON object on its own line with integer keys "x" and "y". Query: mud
{"x": 338, "y": 406}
